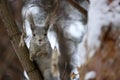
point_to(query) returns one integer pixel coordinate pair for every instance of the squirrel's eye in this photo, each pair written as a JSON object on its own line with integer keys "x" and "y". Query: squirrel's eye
{"x": 33, "y": 34}
{"x": 45, "y": 34}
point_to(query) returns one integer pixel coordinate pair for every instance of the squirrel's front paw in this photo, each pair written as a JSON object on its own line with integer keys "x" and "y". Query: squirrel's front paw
{"x": 32, "y": 56}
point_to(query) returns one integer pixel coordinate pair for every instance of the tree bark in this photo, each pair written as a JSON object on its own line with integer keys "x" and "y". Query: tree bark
{"x": 14, "y": 35}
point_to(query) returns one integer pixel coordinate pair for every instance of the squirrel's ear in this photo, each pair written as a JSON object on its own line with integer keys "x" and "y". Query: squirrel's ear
{"x": 32, "y": 24}
{"x": 47, "y": 24}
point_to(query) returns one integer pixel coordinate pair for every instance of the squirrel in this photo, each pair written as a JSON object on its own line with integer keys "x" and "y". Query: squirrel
{"x": 40, "y": 50}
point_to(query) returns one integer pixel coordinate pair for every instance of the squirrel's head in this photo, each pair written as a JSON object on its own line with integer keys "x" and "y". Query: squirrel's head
{"x": 39, "y": 36}
{"x": 39, "y": 32}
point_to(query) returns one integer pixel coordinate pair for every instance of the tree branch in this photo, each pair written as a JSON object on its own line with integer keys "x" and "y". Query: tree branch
{"x": 14, "y": 34}
{"x": 78, "y": 7}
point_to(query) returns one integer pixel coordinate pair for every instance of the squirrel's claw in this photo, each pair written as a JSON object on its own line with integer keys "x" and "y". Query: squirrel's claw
{"x": 22, "y": 43}
{"x": 31, "y": 57}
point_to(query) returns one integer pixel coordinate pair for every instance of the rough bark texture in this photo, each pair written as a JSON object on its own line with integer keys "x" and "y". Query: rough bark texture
{"x": 9, "y": 64}
{"x": 14, "y": 35}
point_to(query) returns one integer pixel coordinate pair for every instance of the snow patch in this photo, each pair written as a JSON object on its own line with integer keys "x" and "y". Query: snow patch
{"x": 28, "y": 33}
{"x": 75, "y": 71}
{"x": 82, "y": 52}
{"x": 90, "y": 75}
{"x": 26, "y": 76}
{"x": 74, "y": 31}
{"x": 101, "y": 14}
{"x": 52, "y": 37}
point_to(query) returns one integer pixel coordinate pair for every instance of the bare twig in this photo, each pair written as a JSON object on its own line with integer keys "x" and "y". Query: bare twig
{"x": 51, "y": 18}
{"x": 78, "y": 7}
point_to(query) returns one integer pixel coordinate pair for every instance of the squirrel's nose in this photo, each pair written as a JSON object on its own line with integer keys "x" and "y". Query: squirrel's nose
{"x": 40, "y": 40}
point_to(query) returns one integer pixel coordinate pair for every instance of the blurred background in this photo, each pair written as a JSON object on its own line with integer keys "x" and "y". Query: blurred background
{"x": 106, "y": 62}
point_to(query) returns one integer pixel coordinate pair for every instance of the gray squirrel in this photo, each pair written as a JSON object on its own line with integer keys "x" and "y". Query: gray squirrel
{"x": 40, "y": 50}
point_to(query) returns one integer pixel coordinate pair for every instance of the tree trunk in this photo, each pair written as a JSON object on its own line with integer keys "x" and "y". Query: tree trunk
{"x": 14, "y": 35}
